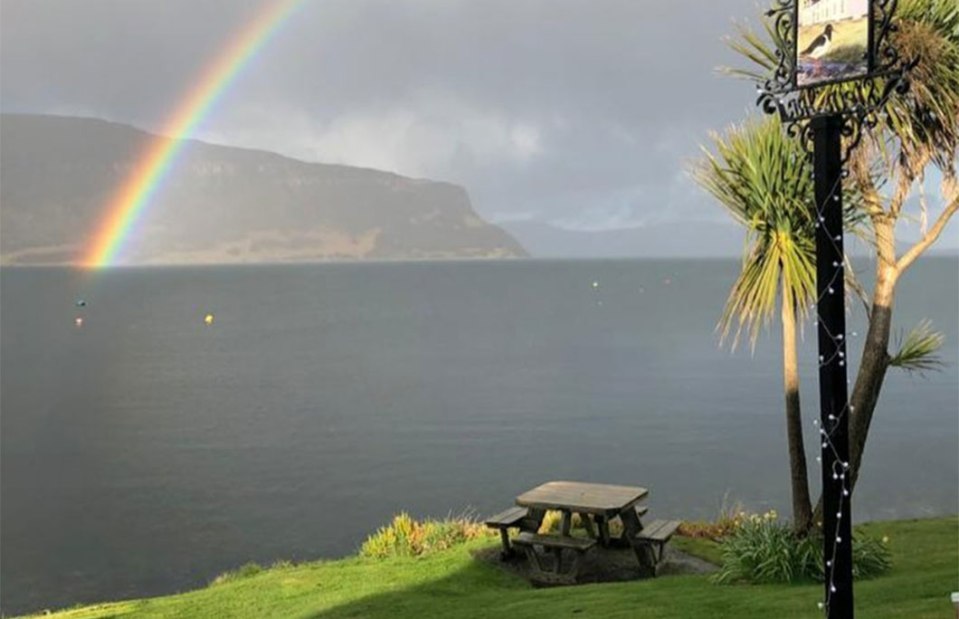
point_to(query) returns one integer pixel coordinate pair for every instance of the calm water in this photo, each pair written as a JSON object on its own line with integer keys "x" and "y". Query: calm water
{"x": 145, "y": 452}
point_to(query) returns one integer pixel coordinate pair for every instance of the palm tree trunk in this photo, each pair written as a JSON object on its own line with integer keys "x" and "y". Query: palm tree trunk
{"x": 802, "y": 508}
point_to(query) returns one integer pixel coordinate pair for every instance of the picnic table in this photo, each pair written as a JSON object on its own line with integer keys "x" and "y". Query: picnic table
{"x": 596, "y": 505}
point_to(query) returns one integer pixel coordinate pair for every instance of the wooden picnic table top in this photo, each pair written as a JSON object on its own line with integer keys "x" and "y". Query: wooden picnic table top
{"x": 582, "y": 497}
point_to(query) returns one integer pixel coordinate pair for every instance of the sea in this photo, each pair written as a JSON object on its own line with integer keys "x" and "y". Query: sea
{"x": 159, "y": 426}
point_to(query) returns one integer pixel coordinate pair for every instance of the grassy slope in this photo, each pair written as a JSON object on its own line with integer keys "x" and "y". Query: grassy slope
{"x": 452, "y": 584}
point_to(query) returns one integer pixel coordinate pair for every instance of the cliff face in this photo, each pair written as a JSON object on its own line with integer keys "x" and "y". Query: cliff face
{"x": 221, "y": 204}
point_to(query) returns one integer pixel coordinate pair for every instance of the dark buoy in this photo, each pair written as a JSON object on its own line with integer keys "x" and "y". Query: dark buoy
{"x": 81, "y": 303}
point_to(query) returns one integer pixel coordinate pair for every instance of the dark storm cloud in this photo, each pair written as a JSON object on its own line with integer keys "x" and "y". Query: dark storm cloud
{"x": 578, "y": 112}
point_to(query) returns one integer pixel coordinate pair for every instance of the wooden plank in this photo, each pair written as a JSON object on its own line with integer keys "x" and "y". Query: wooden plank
{"x": 507, "y": 518}
{"x": 659, "y": 530}
{"x": 581, "y": 497}
{"x": 554, "y": 541}
{"x": 650, "y": 529}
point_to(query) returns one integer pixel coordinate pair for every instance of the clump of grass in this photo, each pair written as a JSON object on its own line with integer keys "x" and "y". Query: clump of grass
{"x": 764, "y": 550}
{"x": 731, "y": 517}
{"x": 727, "y": 523}
{"x": 408, "y": 537}
{"x": 244, "y": 571}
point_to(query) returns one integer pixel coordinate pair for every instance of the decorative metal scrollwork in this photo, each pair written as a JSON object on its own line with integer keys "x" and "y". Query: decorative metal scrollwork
{"x": 859, "y": 100}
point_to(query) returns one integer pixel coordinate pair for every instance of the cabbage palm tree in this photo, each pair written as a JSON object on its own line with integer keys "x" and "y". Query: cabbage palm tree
{"x": 762, "y": 179}
{"x": 918, "y": 139}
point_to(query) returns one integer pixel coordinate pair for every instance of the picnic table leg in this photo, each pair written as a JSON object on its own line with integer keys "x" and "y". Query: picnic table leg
{"x": 588, "y": 525}
{"x": 631, "y": 524}
{"x": 533, "y": 520}
{"x": 567, "y": 523}
{"x": 602, "y": 523}
{"x": 507, "y": 549}
{"x": 644, "y": 552}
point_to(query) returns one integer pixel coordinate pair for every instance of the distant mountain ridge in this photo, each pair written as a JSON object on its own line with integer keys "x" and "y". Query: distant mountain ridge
{"x": 221, "y": 204}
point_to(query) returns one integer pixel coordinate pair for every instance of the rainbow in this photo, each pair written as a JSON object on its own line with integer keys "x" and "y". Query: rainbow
{"x": 131, "y": 199}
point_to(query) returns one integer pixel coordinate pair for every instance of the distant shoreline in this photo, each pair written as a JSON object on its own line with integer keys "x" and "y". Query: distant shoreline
{"x": 950, "y": 255}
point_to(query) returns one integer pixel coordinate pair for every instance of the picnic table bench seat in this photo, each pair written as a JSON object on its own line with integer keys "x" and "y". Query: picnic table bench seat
{"x": 507, "y": 519}
{"x": 653, "y": 538}
{"x": 579, "y": 544}
{"x": 553, "y": 572}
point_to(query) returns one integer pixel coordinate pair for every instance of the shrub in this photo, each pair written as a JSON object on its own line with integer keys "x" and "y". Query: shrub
{"x": 763, "y": 550}
{"x": 407, "y": 537}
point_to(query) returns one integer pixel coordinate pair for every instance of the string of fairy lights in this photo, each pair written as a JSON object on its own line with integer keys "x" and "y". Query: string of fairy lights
{"x": 840, "y": 467}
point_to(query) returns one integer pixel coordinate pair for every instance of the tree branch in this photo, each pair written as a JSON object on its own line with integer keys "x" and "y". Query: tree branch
{"x": 910, "y": 256}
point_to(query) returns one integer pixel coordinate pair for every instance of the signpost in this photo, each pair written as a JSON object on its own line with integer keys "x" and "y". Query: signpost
{"x": 837, "y": 70}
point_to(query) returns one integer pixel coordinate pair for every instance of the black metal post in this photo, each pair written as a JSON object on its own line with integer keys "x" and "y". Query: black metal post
{"x": 837, "y": 529}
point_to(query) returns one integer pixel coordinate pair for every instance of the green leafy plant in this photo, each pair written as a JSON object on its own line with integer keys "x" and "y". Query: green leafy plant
{"x": 764, "y": 550}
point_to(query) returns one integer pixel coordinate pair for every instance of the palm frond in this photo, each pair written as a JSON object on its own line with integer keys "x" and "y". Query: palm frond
{"x": 918, "y": 349}
{"x": 761, "y": 177}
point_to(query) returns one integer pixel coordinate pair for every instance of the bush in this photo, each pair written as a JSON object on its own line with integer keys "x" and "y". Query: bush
{"x": 407, "y": 537}
{"x": 763, "y": 550}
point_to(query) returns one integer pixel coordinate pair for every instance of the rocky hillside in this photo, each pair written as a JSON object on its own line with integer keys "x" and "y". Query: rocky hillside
{"x": 221, "y": 204}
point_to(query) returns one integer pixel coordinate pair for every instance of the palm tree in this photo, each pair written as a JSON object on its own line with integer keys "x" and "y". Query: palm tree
{"x": 917, "y": 138}
{"x": 762, "y": 179}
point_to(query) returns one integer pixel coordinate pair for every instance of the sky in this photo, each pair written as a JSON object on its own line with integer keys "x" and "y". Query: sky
{"x": 583, "y": 114}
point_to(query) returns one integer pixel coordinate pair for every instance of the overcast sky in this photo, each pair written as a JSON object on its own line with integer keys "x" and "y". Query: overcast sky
{"x": 581, "y": 113}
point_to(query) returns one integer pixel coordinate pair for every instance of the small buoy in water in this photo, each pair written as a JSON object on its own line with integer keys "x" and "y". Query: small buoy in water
{"x": 78, "y": 321}
{"x": 595, "y": 284}
{"x": 667, "y": 281}
{"x": 81, "y": 303}
{"x": 209, "y": 319}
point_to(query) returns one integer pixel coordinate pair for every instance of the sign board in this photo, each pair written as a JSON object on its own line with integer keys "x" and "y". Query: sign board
{"x": 833, "y": 41}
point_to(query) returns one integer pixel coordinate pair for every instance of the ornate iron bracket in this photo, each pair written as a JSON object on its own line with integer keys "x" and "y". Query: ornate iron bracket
{"x": 859, "y": 100}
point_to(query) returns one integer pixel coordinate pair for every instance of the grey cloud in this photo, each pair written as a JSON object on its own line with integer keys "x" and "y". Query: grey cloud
{"x": 559, "y": 108}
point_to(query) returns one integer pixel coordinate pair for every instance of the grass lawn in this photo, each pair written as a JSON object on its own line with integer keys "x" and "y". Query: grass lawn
{"x": 453, "y": 584}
